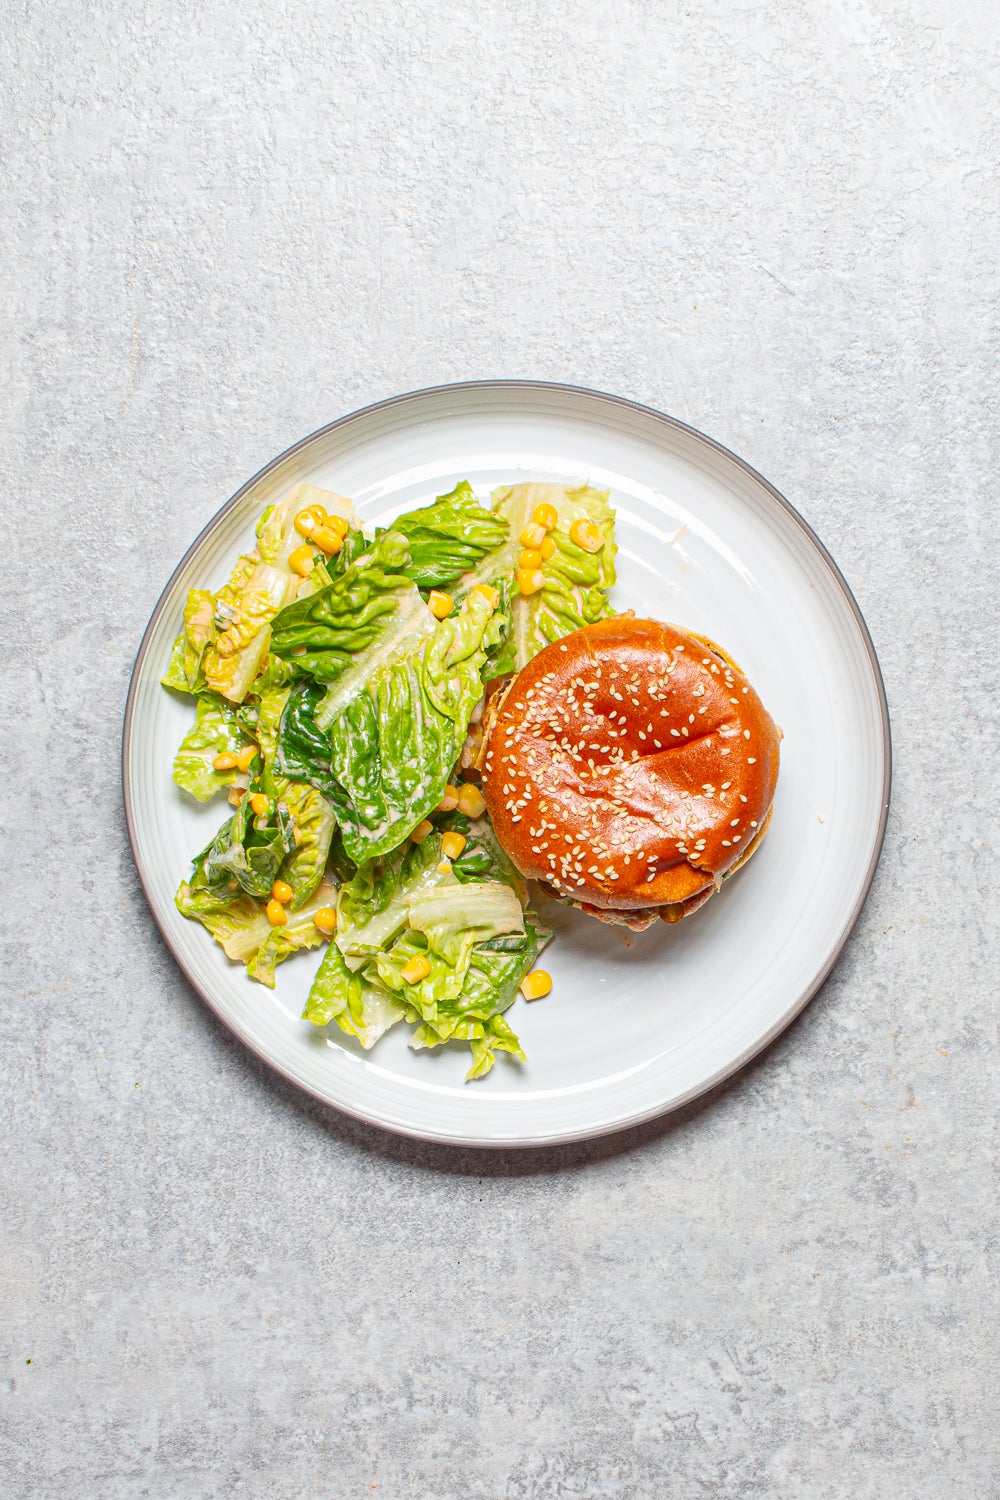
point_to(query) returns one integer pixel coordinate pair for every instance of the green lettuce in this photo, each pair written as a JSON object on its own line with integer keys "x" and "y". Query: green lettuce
{"x": 215, "y": 730}
{"x": 184, "y": 673}
{"x": 576, "y": 582}
{"x": 240, "y": 925}
{"x": 373, "y": 908}
{"x": 395, "y": 741}
{"x": 449, "y": 538}
{"x": 455, "y": 917}
{"x": 360, "y": 1008}
{"x": 247, "y": 852}
{"x": 372, "y": 602}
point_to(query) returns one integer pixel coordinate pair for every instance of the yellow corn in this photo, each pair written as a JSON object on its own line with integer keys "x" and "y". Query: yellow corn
{"x": 282, "y": 891}
{"x": 440, "y": 604}
{"x": 449, "y": 801}
{"x": 452, "y": 845}
{"x": 529, "y": 560}
{"x": 545, "y": 516}
{"x": 421, "y": 831}
{"x": 235, "y": 795}
{"x": 418, "y": 968}
{"x": 471, "y": 801}
{"x": 307, "y": 520}
{"x": 533, "y": 535}
{"x": 529, "y": 583}
{"x": 226, "y": 761}
{"x": 547, "y": 549}
{"x": 339, "y": 525}
{"x": 328, "y": 540}
{"x": 260, "y": 804}
{"x": 301, "y": 561}
{"x": 586, "y": 535}
{"x": 276, "y": 913}
{"x": 536, "y": 984}
{"x": 489, "y": 593}
{"x": 245, "y": 758}
{"x": 326, "y": 919}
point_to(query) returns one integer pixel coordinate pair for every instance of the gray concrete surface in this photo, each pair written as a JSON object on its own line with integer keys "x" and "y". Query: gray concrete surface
{"x": 226, "y": 224}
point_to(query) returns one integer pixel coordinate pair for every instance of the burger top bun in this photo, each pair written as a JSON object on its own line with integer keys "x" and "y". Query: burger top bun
{"x": 629, "y": 766}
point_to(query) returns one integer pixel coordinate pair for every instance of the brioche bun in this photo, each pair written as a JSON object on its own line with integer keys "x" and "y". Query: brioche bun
{"x": 629, "y": 767}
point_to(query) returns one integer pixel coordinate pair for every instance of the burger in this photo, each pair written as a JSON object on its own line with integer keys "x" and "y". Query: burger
{"x": 630, "y": 768}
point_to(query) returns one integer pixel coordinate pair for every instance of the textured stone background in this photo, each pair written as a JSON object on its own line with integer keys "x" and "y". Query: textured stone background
{"x": 226, "y": 224}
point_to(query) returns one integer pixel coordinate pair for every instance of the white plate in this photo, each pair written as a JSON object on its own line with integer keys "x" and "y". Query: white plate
{"x": 635, "y": 1025}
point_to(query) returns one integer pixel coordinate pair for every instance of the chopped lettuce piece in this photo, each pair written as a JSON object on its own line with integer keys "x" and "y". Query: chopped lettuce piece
{"x": 240, "y": 925}
{"x": 184, "y": 672}
{"x": 453, "y": 918}
{"x": 372, "y": 604}
{"x": 359, "y": 1008}
{"x": 373, "y": 907}
{"x": 576, "y": 581}
{"x": 450, "y": 537}
{"x": 394, "y": 744}
{"x": 247, "y": 851}
{"x": 215, "y": 730}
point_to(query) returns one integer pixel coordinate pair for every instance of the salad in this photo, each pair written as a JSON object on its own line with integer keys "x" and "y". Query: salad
{"x": 338, "y": 682}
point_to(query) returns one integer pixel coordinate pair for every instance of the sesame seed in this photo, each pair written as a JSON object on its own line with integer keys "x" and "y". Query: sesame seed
{"x": 746, "y": 734}
{"x": 751, "y": 760}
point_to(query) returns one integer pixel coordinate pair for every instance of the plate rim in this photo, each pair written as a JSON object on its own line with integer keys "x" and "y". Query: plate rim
{"x": 446, "y": 1138}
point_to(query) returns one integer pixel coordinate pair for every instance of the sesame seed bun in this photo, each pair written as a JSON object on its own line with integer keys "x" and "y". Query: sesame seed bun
{"x": 630, "y": 767}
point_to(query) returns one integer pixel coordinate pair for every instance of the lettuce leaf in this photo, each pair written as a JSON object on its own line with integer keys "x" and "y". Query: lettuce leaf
{"x": 247, "y": 852}
{"x": 450, "y": 537}
{"x": 184, "y": 673}
{"x": 299, "y": 932}
{"x": 576, "y": 581}
{"x": 371, "y": 602}
{"x": 395, "y": 741}
{"x": 215, "y": 730}
{"x": 454, "y": 918}
{"x": 373, "y": 907}
{"x": 359, "y": 1008}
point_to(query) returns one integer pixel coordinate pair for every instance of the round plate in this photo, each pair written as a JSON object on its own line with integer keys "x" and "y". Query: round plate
{"x": 635, "y": 1024}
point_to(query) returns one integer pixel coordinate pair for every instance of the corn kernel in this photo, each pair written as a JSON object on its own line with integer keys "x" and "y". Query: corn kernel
{"x": 421, "y": 831}
{"x": 328, "y": 540}
{"x": 440, "y": 604}
{"x": 452, "y": 844}
{"x": 536, "y": 984}
{"x": 489, "y": 593}
{"x": 301, "y": 561}
{"x": 246, "y": 756}
{"x": 235, "y": 795}
{"x": 282, "y": 891}
{"x": 307, "y": 520}
{"x": 226, "y": 761}
{"x": 533, "y": 535}
{"x": 586, "y": 535}
{"x": 449, "y": 801}
{"x": 339, "y": 524}
{"x": 529, "y": 560}
{"x": 545, "y": 516}
{"x": 260, "y": 804}
{"x": 326, "y": 919}
{"x": 530, "y": 583}
{"x": 547, "y": 549}
{"x": 471, "y": 801}
{"x": 418, "y": 968}
{"x": 276, "y": 913}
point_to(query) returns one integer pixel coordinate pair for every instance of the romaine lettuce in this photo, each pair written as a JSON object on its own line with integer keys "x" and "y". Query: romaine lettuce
{"x": 576, "y": 581}
{"x": 450, "y": 537}
{"x": 215, "y": 730}
{"x": 184, "y": 673}
{"x": 240, "y": 925}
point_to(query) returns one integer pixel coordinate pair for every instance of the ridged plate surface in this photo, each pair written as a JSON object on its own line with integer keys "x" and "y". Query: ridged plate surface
{"x": 636, "y": 1024}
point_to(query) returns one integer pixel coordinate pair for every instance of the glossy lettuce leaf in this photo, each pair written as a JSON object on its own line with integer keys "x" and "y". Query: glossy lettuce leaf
{"x": 360, "y": 1008}
{"x": 184, "y": 673}
{"x": 394, "y": 743}
{"x": 247, "y": 852}
{"x": 300, "y": 931}
{"x": 576, "y": 581}
{"x": 303, "y": 749}
{"x": 240, "y": 925}
{"x": 372, "y": 603}
{"x": 449, "y": 538}
{"x": 373, "y": 907}
{"x": 455, "y": 917}
{"x": 215, "y": 730}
